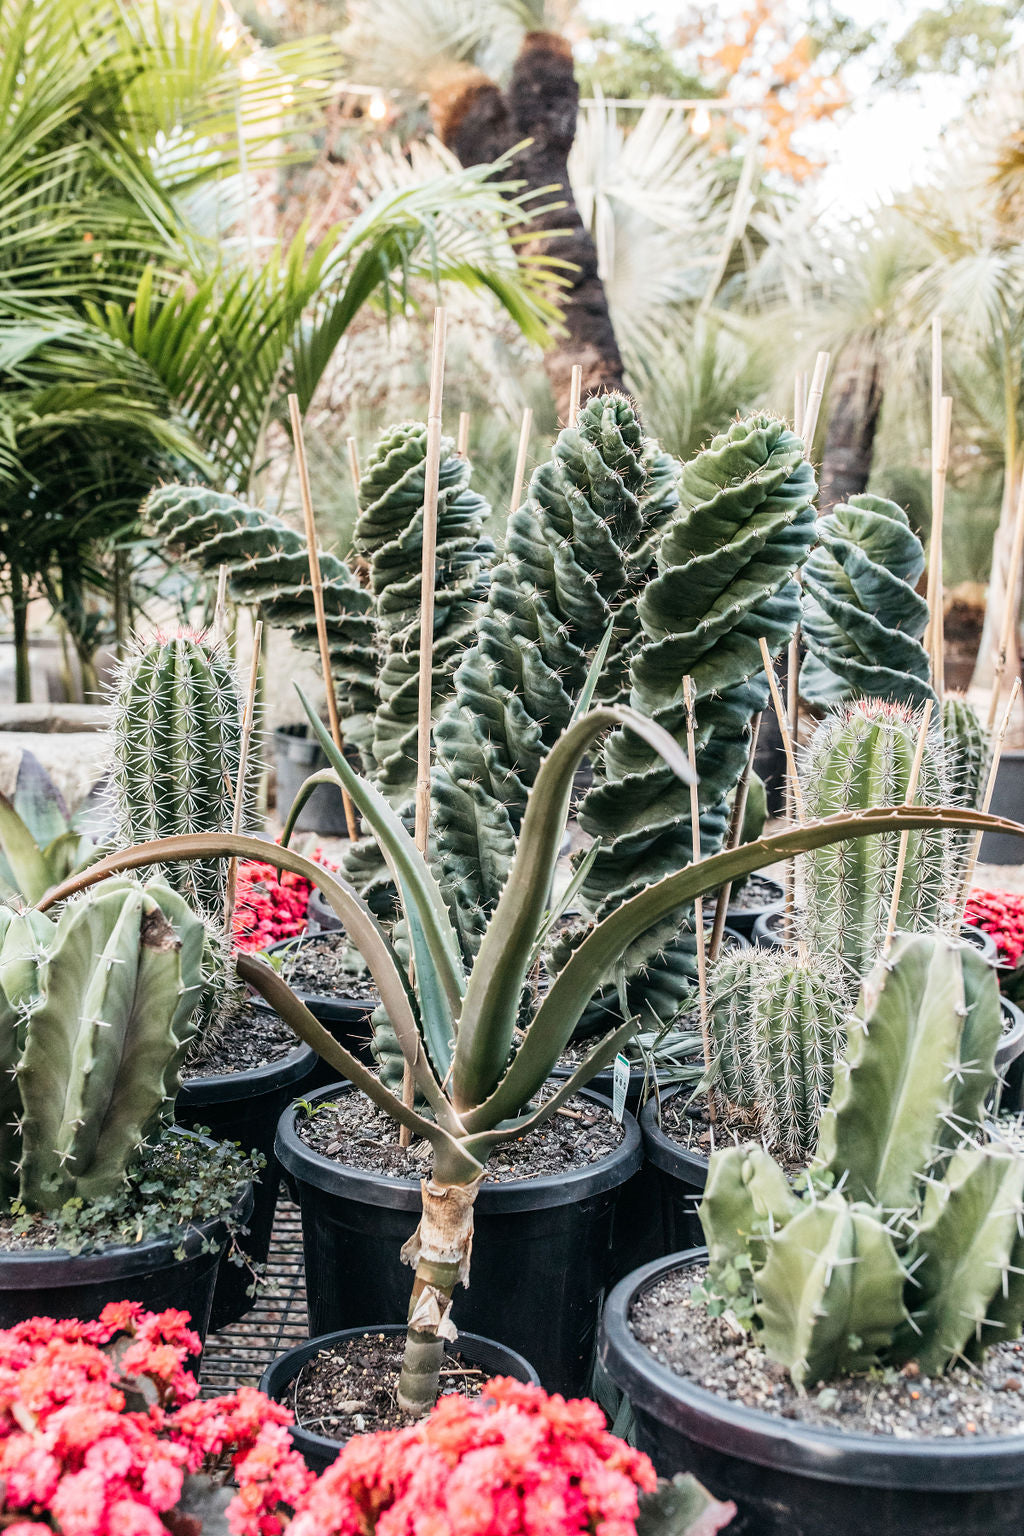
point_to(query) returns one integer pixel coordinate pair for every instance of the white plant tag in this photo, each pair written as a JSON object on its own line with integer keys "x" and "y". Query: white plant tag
{"x": 620, "y": 1083}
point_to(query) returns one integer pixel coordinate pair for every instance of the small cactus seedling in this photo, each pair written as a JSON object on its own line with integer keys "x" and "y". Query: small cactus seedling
{"x": 904, "y": 1241}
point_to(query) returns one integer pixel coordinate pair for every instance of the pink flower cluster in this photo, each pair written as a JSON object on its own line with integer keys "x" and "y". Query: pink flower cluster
{"x": 1001, "y": 914}
{"x": 512, "y": 1462}
{"x": 99, "y": 1425}
{"x": 270, "y": 903}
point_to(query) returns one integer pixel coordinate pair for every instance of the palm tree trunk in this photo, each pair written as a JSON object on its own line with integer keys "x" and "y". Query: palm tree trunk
{"x": 478, "y": 123}
{"x": 22, "y": 668}
{"x": 854, "y": 409}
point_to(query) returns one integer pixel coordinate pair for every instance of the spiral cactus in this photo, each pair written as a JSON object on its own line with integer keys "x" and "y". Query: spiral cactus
{"x": 568, "y": 567}
{"x": 862, "y": 618}
{"x": 968, "y": 750}
{"x": 857, "y": 758}
{"x": 268, "y": 564}
{"x": 389, "y": 533}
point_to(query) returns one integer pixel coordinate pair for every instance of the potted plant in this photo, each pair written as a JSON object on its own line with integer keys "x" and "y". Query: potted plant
{"x": 821, "y": 1370}
{"x": 101, "y": 1197}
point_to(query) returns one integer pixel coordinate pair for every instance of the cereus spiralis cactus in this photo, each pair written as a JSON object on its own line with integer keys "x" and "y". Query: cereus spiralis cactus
{"x": 96, "y": 1015}
{"x": 968, "y": 751}
{"x": 903, "y": 1241}
{"x": 858, "y": 757}
{"x": 778, "y": 1028}
{"x": 176, "y": 730}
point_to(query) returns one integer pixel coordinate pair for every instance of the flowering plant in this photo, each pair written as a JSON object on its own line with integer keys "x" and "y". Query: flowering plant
{"x": 270, "y": 904}
{"x": 1001, "y": 914}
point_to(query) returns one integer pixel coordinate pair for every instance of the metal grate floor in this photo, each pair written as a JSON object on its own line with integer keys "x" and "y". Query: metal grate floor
{"x": 238, "y": 1355}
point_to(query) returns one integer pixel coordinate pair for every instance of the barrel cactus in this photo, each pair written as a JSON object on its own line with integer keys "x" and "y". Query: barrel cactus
{"x": 96, "y": 1032}
{"x": 862, "y": 618}
{"x": 832, "y": 1280}
{"x": 861, "y": 756}
{"x": 268, "y": 564}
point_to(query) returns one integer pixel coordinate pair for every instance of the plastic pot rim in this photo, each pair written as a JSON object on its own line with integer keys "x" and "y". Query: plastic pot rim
{"x": 404, "y": 1194}
{"x": 338, "y": 1006}
{"x": 662, "y": 1151}
{"x": 196, "y": 1092}
{"x": 785, "y": 1445}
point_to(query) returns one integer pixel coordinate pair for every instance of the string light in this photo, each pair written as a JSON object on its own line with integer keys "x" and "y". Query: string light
{"x": 250, "y": 66}
{"x": 228, "y": 36}
{"x": 378, "y": 108}
{"x": 700, "y": 123}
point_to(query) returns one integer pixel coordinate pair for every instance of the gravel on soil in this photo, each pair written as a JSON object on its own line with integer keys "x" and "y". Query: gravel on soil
{"x": 250, "y": 1037}
{"x": 358, "y": 1134}
{"x": 352, "y": 1388}
{"x": 689, "y": 1129}
{"x": 718, "y": 1355}
{"x": 325, "y": 965}
{"x": 756, "y": 893}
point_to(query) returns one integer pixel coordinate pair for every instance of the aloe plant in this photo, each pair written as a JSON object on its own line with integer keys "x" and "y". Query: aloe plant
{"x": 457, "y": 1028}
{"x": 95, "y": 1021}
{"x": 904, "y": 1243}
{"x": 41, "y": 841}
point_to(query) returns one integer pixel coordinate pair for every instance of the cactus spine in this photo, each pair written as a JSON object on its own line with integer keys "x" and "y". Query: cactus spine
{"x": 862, "y": 618}
{"x": 968, "y": 747}
{"x": 99, "y": 1038}
{"x": 904, "y": 1243}
{"x": 859, "y": 757}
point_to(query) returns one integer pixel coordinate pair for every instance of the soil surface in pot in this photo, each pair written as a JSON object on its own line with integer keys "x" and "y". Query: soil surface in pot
{"x": 674, "y": 1325}
{"x": 322, "y": 967}
{"x": 577, "y": 1051}
{"x": 362, "y": 1136}
{"x": 691, "y": 1130}
{"x": 757, "y": 893}
{"x": 352, "y": 1389}
{"x": 250, "y": 1037}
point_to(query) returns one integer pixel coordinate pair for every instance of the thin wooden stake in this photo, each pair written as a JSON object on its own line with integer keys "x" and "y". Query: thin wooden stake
{"x": 698, "y": 905}
{"x": 238, "y": 807}
{"x": 901, "y": 857}
{"x": 787, "y": 741}
{"x": 799, "y": 402}
{"x": 997, "y": 752}
{"x": 815, "y": 395}
{"x": 220, "y": 607}
{"x": 353, "y": 463}
{"x": 316, "y": 581}
{"x": 1010, "y": 615}
{"x": 521, "y": 452}
{"x": 936, "y": 431}
{"x": 739, "y": 807}
{"x": 936, "y": 626}
{"x": 575, "y": 393}
{"x": 462, "y": 441}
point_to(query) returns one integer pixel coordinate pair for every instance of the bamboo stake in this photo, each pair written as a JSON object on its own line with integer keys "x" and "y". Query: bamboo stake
{"x": 997, "y": 752}
{"x": 220, "y": 607}
{"x": 901, "y": 857}
{"x": 815, "y": 395}
{"x": 1010, "y": 615}
{"x": 238, "y": 807}
{"x": 353, "y": 463}
{"x": 462, "y": 441}
{"x": 787, "y": 741}
{"x": 316, "y": 581}
{"x": 799, "y": 402}
{"x": 739, "y": 807}
{"x": 936, "y": 429}
{"x": 698, "y": 905}
{"x": 936, "y": 627}
{"x": 575, "y": 393}
{"x": 521, "y": 452}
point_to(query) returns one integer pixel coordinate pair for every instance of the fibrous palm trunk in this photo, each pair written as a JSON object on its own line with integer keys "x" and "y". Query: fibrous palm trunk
{"x": 856, "y": 404}
{"x": 479, "y": 122}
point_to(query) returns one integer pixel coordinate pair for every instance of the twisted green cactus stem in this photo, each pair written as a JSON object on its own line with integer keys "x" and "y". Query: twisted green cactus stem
{"x": 268, "y": 564}
{"x": 569, "y": 564}
{"x": 176, "y": 731}
{"x": 389, "y": 533}
{"x": 968, "y": 751}
{"x": 104, "y": 1039}
{"x": 862, "y": 618}
{"x": 860, "y": 757}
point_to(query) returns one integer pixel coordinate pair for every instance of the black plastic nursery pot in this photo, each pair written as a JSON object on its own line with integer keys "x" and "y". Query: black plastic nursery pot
{"x": 318, "y": 1451}
{"x": 296, "y": 756}
{"x": 179, "y": 1270}
{"x": 742, "y": 919}
{"x": 793, "y": 1479}
{"x": 1010, "y": 1058}
{"x": 680, "y": 1177}
{"x": 542, "y": 1251}
{"x": 347, "y": 1019}
{"x": 244, "y": 1107}
{"x": 1007, "y": 800}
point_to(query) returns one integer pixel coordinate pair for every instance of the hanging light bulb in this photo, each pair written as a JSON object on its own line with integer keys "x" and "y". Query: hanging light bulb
{"x": 700, "y": 123}
{"x": 378, "y": 108}
{"x": 250, "y": 66}
{"x": 228, "y": 36}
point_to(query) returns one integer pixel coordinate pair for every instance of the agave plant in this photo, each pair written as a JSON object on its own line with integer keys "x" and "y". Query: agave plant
{"x": 41, "y": 841}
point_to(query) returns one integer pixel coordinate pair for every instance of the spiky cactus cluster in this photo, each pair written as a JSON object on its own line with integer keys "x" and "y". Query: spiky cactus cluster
{"x": 389, "y": 534}
{"x": 862, "y": 618}
{"x": 905, "y": 1242}
{"x": 95, "y": 1020}
{"x": 570, "y": 562}
{"x": 968, "y": 746}
{"x": 176, "y": 733}
{"x": 268, "y": 564}
{"x": 860, "y": 757}
{"x": 778, "y": 1026}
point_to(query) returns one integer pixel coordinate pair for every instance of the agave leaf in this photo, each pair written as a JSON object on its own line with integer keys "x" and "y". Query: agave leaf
{"x": 561, "y": 906}
{"x": 496, "y": 982}
{"x": 29, "y": 872}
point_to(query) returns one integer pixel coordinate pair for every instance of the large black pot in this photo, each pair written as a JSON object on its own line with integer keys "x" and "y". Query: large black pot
{"x": 1010, "y": 1058}
{"x": 541, "y": 1251}
{"x": 244, "y": 1107}
{"x": 1007, "y": 800}
{"x": 318, "y": 1451}
{"x": 680, "y": 1176}
{"x": 347, "y": 1019}
{"x": 742, "y": 919}
{"x": 296, "y": 756}
{"x": 179, "y": 1270}
{"x": 793, "y": 1479}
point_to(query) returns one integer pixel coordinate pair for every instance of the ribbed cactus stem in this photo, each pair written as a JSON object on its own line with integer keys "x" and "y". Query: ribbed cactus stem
{"x": 968, "y": 751}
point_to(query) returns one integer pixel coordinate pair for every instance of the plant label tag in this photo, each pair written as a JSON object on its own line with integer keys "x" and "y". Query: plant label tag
{"x": 620, "y": 1082}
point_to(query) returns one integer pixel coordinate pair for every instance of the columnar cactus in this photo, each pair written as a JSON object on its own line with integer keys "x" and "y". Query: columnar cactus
{"x": 778, "y": 1027}
{"x": 97, "y": 1033}
{"x": 968, "y": 752}
{"x": 569, "y": 564}
{"x": 859, "y": 757}
{"x": 862, "y": 618}
{"x": 176, "y": 731}
{"x": 268, "y": 564}
{"x": 904, "y": 1243}
{"x": 389, "y": 534}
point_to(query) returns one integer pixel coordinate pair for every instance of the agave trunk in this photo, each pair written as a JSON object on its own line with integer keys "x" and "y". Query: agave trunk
{"x": 439, "y": 1251}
